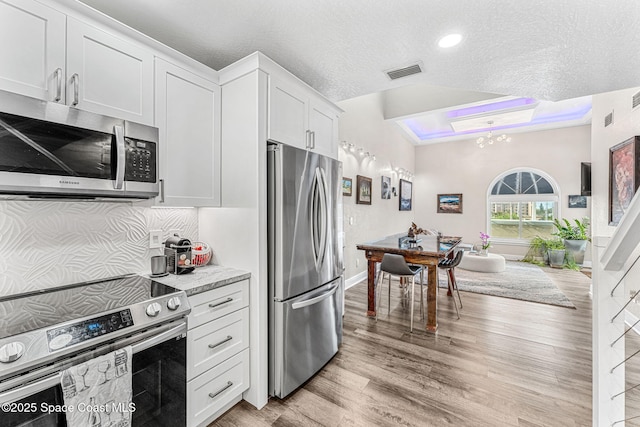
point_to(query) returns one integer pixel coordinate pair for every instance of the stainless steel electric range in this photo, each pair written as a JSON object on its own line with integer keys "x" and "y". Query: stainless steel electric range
{"x": 44, "y": 333}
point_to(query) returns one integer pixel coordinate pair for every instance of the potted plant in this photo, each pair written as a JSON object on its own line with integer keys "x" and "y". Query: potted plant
{"x": 484, "y": 237}
{"x": 575, "y": 238}
{"x": 537, "y": 252}
{"x": 556, "y": 252}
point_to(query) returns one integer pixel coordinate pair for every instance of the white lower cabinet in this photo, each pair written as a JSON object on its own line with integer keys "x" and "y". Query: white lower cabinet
{"x": 213, "y": 392}
{"x": 217, "y": 352}
{"x": 217, "y": 341}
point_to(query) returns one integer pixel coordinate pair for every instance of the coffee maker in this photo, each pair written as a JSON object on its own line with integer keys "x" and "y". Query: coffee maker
{"x": 178, "y": 252}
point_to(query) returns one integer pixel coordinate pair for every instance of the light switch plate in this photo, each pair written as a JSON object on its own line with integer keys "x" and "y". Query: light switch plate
{"x": 155, "y": 238}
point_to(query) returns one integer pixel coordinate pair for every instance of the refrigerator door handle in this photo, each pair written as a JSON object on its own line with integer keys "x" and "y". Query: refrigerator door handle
{"x": 317, "y": 299}
{"x": 324, "y": 216}
{"x": 319, "y": 217}
{"x": 315, "y": 243}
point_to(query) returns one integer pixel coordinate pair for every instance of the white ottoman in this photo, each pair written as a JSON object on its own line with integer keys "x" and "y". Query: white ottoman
{"x": 491, "y": 263}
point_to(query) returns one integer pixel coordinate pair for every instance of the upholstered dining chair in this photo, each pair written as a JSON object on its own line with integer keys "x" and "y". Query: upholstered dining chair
{"x": 396, "y": 265}
{"x": 449, "y": 265}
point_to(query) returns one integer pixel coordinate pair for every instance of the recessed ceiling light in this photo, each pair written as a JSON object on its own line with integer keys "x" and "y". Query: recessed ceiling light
{"x": 450, "y": 40}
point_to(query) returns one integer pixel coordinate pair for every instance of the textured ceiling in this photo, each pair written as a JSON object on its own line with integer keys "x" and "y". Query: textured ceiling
{"x": 548, "y": 50}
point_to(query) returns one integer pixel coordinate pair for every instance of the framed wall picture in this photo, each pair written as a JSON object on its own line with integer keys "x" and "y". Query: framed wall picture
{"x": 386, "y": 187}
{"x": 405, "y": 195}
{"x": 624, "y": 177}
{"x": 450, "y": 203}
{"x": 577, "y": 201}
{"x": 346, "y": 187}
{"x": 363, "y": 190}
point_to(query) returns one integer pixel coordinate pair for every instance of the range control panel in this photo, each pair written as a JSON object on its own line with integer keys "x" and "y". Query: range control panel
{"x": 65, "y": 336}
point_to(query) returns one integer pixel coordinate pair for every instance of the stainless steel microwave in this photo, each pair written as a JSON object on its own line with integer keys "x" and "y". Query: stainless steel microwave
{"x": 52, "y": 150}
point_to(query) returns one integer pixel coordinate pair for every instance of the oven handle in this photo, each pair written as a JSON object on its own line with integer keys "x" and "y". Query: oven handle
{"x": 53, "y": 379}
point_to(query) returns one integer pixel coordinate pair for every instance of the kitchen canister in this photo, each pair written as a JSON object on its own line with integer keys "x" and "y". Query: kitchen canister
{"x": 159, "y": 266}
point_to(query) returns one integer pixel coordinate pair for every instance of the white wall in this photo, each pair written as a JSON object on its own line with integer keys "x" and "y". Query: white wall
{"x": 362, "y": 123}
{"x": 44, "y": 244}
{"x": 462, "y": 167}
{"x": 626, "y": 124}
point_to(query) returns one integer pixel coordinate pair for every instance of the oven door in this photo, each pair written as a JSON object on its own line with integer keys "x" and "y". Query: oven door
{"x": 159, "y": 384}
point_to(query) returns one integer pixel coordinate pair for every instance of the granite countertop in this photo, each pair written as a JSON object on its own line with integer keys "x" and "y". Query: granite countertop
{"x": 204, "y": 279}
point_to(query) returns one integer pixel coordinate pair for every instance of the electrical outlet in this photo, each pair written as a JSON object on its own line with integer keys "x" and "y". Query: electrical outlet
{"x": 357, "y": 262}
{"x": 350, "y": 220}
{"x": 155, "y": 239}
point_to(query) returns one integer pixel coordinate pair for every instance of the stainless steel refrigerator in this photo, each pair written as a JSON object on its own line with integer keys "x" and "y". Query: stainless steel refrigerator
{"x": 305, "y": 264}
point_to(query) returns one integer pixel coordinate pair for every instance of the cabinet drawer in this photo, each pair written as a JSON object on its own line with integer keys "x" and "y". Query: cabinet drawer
{"x": 211, "y": 391}
{"x": 213, "y": 304}
{"x": 216, "y": 341}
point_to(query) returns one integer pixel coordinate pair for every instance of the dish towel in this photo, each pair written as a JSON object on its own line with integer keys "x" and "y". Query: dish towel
{"x": 99, "y": 392}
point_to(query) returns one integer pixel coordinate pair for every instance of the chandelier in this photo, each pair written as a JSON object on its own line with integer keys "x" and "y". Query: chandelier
{"x": 490, "y": 138}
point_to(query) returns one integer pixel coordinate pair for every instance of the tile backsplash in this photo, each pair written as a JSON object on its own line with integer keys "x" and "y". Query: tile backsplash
{"x": 45, "y": 244}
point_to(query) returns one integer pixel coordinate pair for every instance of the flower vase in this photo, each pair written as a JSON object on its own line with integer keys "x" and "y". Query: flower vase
{"x": 484, "y": 252}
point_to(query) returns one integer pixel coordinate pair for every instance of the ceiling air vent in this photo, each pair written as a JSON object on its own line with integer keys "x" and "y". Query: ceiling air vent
{"x": 635, "y": 100}
{"x": 608, "y": 119}
{"x": 404, "y": 72}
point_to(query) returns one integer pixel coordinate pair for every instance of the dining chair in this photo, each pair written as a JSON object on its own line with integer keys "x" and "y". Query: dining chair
{"x": 396, "y": 265}
{"x": 449, "y": 265}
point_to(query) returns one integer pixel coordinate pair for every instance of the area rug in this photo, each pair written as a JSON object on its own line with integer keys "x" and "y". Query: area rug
{"x": 520, "y": 280}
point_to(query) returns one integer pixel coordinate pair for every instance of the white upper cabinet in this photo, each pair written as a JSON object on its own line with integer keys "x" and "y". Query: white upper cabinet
{"x": 288, "y": 115}
{"x": 323, "y": 123}
{"x": 32, "y": 48}
{"x": 51, "y": 56}
{"x": 298, "y": 118}
{"x": 108, "y": 75}
{"x": 188, "y": 117}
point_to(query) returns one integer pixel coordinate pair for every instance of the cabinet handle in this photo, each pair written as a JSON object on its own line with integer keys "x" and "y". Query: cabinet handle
{"x": 308, "y": 142}
{"x": 313, "y": 139}
{"x": 76, "y": 88}
{"x": 58, "y": 74}
{"x": 227, "y": 301}
{"x": 161, "y": 190}
{"x": 228, "y": 338}
{"x": 213, "y": 395}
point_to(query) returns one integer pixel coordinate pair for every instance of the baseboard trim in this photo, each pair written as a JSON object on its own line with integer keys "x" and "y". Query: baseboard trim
{"x": 354, "y": 280}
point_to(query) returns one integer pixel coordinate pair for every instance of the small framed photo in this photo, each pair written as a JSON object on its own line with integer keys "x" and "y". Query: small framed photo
{"x": 363, "y": 190}
{"x": 346, "y": 187}
{"x": 406, "y": 196}
{"x": 624, "y": 177}
{"x": 386, "y": 187}
{"x": 577, "y": 201}
{"x": 450, "y": 203}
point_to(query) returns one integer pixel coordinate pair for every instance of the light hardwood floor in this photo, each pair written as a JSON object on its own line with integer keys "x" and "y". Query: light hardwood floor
{"x": 504, "y": 363}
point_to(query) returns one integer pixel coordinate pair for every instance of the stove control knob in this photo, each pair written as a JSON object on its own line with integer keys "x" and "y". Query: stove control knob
{"x": 153, "y": 309}
{"x": 11, "y": 352}
{"x": 173, "y": 303}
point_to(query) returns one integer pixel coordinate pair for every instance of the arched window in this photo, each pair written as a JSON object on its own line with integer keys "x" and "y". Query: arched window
{"x": 522, "y": 204}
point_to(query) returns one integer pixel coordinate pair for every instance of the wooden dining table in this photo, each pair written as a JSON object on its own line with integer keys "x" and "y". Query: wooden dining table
{"x": 426, "y": 251}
